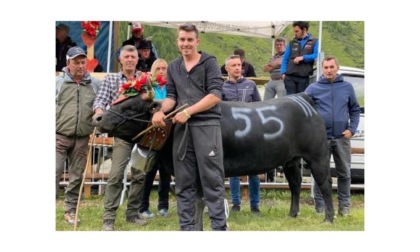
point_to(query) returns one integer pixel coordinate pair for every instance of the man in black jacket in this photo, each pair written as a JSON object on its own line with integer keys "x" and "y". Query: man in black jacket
{"x": 247, "y": 68}
{"x": 62, "y": 44}
{"x": 195, "y": 79}
{"x": 146, "y": 56}
{"x": 137, "y": 33}
{"x": 299, "y": 58}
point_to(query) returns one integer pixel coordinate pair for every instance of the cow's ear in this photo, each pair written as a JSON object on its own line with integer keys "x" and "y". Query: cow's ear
{"x": 154, "y": 107}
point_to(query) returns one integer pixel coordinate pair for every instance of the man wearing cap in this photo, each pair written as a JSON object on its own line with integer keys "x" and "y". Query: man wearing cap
{"x": 75, "y": 92}
{"x": 62, "y": 44}
{"x": 146, "y": 57}
{"x": 137, "y": 37}
{"x": 137, "y": 33}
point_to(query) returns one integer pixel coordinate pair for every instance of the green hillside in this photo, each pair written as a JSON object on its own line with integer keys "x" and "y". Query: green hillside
{"x": 344, "y": 39}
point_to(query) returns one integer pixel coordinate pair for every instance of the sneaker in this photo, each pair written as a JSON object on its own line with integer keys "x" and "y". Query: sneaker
{"x": 235, "y": 208}
{"x": 147, "y": 214}
{"x": 69, "y": 218}
{"x": 345, "y": 211}
{"x": 108, "y": 225}
{"x": 163, "y": 212}
{"x": 136, "y": 220}
{"x": 255, "y": 210}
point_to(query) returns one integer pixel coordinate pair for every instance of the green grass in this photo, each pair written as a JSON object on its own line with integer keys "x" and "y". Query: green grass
{"x": 274, "y": 206}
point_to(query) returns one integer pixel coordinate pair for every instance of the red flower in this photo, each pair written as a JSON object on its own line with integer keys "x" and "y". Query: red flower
{"x": 141, "y": 82}
{"x": 91, "y": 28}
{"x": 138, "y": 85}
{"x": 161, "y": 80}
{"x": 133, "y": 87}
{"x": 126, "y": 85}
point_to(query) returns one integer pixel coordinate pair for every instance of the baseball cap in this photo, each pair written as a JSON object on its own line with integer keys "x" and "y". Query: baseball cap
{"x": 145, "y": 45}
{"x": 62, "y": 26}
{"x": 136, "y": 26}
{"x": 74, "y": 52}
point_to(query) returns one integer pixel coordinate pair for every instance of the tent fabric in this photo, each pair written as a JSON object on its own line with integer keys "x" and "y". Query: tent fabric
{"x": 101, "y": 42}
{"x": 261, "y": 29}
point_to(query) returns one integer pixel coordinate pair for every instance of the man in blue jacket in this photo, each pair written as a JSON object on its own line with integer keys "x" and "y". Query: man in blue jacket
{"x": 298, "y": 59}
{"x": 336, "y": 101}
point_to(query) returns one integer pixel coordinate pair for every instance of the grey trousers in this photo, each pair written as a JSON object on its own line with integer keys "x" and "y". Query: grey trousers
{"x": 341, "y": 151}
{"x": 75, "y": 149}
{"x": 273, "y": 88}
{"x": 199, "y": 172}
{"x": 121, "y": 153}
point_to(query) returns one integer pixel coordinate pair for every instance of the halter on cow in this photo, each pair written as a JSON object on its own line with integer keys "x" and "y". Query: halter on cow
{"x": 257, "y": 137}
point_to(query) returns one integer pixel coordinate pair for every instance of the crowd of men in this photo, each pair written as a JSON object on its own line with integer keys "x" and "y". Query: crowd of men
{"x": 197, "y": 172}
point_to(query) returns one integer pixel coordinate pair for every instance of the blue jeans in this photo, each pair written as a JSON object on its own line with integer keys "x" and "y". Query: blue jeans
{"x": 254, "y": 190}
{"x": 341, "y": 151}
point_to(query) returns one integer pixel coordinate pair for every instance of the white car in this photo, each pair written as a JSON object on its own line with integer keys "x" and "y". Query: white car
{"x": 356, "y": 76}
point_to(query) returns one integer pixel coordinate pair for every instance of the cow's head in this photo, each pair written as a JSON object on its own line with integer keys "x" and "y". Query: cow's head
{"x": 127, "y": 118}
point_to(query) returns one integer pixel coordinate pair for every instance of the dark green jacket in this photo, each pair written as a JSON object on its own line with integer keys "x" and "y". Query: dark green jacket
{"x": 74, "y": 105}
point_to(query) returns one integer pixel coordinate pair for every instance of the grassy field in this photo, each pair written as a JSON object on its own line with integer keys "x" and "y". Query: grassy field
{"x": 274, "y": 205}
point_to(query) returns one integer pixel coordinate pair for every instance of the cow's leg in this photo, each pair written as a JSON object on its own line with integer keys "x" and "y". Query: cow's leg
{"x": 294, "y": 177}
{"x": 322, "y": 176}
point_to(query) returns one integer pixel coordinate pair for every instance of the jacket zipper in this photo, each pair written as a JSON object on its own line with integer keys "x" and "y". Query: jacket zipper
{"x": 78, "y": 108}
{"x": 332, "y": 109}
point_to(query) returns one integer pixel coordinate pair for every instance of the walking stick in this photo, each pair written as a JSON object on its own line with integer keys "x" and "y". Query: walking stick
{"x": 164, "y": 118}
{"x": 89, "y": 160}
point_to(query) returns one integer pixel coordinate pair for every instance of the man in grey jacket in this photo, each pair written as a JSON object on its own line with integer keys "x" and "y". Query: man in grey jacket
{"x": 195, "y": 79}
{"x": 75, "y": 92}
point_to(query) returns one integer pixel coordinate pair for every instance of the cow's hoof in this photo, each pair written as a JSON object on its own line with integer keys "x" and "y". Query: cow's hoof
{"x": 328, "y": 221}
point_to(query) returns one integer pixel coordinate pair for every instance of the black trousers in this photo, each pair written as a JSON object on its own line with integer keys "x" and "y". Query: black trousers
{"x": 295, "y": 84}
{"x": 163, "y": 189}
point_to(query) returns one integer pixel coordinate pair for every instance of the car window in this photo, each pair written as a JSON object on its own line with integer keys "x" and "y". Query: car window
{"x": 358, "y": 82}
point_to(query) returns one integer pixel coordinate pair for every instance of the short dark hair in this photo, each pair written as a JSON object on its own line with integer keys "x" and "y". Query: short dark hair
{"x": 328, "y": 58}
{"x": 240, "y": 52}
{"x": 231, "y": 57}
{"x": 188, "y": 27}
{"x": 302, "y": 24}
{"x": 280, "y": 40}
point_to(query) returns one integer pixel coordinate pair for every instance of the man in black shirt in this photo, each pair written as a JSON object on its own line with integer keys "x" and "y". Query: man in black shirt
{"x": 247, "y": 68}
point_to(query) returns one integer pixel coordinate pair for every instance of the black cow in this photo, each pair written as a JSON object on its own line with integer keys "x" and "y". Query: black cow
{"x": 257, "y": 137}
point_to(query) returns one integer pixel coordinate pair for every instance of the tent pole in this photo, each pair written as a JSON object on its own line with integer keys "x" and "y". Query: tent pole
{"x": 320, "y": 55}
{"x": 109, "y": 46}
{"x": 273, "y": 37}
{"x": 272, "y": 46}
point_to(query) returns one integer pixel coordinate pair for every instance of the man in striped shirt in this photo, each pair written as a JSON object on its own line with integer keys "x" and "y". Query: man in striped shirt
{"x": 121, "y": 152}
